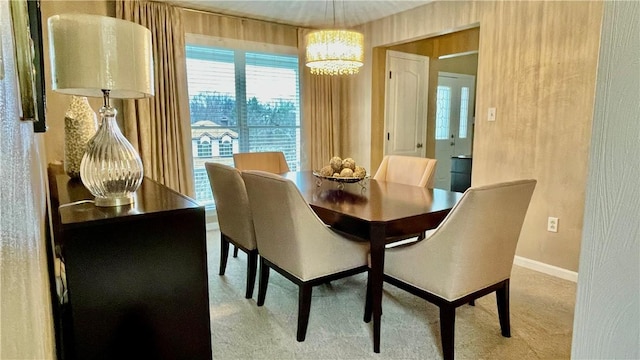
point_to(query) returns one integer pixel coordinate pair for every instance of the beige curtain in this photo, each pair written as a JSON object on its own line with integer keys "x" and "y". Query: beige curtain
{"x": 321, "y": 111}
{"x": 159, "y": 126}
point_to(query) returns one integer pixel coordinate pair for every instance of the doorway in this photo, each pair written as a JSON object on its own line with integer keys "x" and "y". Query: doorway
{"x": 455, "y": 52}
{"x": 455, "y": 104}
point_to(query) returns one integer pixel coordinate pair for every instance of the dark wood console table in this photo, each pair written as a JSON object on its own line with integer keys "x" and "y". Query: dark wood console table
{"x": 136, "y": 274}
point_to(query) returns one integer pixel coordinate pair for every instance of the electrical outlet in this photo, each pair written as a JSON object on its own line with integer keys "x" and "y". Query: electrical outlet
{"x": 491, "y": 114}
{"x": 552, "y": 224}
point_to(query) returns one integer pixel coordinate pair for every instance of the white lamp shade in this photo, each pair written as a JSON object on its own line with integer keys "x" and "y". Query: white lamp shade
{"x": 91, "y": 53}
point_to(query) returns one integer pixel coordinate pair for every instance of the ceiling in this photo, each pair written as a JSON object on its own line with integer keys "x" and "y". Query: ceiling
{"x": 305, "y": 13}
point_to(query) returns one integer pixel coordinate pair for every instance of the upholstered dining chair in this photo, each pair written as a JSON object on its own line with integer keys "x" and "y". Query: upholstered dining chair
{"x": 293, "y": 241}
{"x": 234, "y": 218}
{"x": 408, "y": 170}
{"x": 468, "y": 256}
{"x": 270, "y": 161}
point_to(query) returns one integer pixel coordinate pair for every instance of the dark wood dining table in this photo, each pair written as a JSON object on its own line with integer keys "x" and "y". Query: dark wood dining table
{"x": 377, "y": 211}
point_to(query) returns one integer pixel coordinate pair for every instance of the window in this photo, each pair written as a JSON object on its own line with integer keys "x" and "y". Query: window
{"x": 443, "y": 112}
{"x": 464, "y": 112}
{"x": 204, "y": 147}
{"x": 252, "y": 95}
{"x": 203, "y": 194}
{"x": 225, "y": 148}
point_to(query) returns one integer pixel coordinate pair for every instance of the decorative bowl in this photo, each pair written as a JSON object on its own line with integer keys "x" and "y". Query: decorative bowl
{"x": 340, "y": 179}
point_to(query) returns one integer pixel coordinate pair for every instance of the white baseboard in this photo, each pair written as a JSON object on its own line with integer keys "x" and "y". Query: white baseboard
{"x": 546, "y": 268}
{"x": 212, "y": 225}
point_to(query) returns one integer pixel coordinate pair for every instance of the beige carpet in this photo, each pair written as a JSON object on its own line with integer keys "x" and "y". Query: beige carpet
{"x": 541, "y": 319}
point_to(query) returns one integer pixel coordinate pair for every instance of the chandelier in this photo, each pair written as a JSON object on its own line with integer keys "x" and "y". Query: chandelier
{"x": 334, "y": 52}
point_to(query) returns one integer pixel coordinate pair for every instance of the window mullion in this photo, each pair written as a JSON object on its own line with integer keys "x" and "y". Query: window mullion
{"x": 241, "y": 100}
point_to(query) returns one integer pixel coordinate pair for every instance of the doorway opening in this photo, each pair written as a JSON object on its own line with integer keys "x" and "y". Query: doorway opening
{"x": 453, "y": 53}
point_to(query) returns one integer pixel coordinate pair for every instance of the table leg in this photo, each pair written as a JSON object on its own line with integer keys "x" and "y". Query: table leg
{"x": 377, "y": 238}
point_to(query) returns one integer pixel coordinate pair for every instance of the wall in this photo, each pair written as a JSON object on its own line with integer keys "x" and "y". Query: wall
{"x": 536, "y": 65}
{"x": 57, "y": 104}
{"x": 466, "y": 64}
{"x": 607, "y": 310}
{"x": 26, "y": 325}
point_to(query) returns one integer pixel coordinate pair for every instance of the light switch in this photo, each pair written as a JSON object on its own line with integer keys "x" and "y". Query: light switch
{"x": 491, "y": 115}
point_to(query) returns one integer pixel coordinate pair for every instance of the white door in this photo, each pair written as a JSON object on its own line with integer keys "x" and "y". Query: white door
{"x": 407, "y": 82}
{"x": 455, "y": 104}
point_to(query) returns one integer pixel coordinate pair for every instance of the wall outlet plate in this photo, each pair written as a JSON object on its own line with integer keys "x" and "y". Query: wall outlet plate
{"x": 552, "y": 224}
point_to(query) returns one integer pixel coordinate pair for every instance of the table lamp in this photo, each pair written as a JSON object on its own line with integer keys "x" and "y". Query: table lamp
{"x": 100, "y": 56}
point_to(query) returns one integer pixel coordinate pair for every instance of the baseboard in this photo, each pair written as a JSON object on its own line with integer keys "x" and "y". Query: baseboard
{"x": 212, "y": 225}
{"x": 546, "y": 268}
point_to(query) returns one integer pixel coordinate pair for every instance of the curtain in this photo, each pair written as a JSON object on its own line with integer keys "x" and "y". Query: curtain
{"x": 159, "y": 127}
{"x": 26, "y": 324}
{"x": 321, "y": 110}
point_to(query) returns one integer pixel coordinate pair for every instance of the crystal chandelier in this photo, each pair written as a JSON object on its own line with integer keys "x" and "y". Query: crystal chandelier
{"x": 333, "y": 51}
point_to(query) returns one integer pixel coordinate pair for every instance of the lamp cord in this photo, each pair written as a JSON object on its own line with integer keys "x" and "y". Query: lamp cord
{"x": 75, "y": 203}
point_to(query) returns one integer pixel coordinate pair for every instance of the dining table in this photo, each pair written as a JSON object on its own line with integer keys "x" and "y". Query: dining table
{"x": 376, "y": 211}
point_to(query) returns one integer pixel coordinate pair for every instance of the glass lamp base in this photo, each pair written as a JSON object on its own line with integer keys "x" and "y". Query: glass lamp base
{"x": 111, "y": 168}
{"x": 113, "y": 201}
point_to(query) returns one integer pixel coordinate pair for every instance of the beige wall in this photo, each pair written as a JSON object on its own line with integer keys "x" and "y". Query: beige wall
{"x": 536, "y": 65}
{"x": 467, "y": 64}
{"x": 57, "y": 103}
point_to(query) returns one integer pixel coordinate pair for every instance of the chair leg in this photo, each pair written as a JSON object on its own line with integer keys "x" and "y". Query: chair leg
{"x": 304, "y": 307}
{"x": 264, "y": 281}
{"x": 502, "y": 297}
{"x": 368, "y": 308}
{"x": 447, "y": 329}
{"x": 224, "y": 253}
{"x": 235, "y": 251}
{"x": 252, "y": 264}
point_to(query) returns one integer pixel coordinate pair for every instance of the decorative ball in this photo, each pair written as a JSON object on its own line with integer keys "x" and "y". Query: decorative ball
{"x": 336, "y": 163}
{"x": 346, "y": 172}
{"x": 360, "y": 172}
{"x": 326, "y": 171}
{"x": 349, "y": 163}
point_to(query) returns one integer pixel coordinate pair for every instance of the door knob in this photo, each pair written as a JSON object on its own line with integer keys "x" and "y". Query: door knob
{"x": 419, "y": 145}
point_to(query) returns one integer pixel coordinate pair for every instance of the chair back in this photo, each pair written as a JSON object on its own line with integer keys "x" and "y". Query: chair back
{"x": 475, "y": 244}
{"x": 232, "y": 204}
{"x": 408, "y": 170}
{"x": 270, "y": 161}
{"x": 289, "y": 233}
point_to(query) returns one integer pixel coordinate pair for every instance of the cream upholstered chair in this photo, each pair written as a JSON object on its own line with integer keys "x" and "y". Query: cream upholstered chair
{"x": 234, "y": 218}
{"x": 270, "y": 161}
{"x": 468, "y": 256}
{"x": 293, "y": 241}
{"x": 409, "y": 170}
